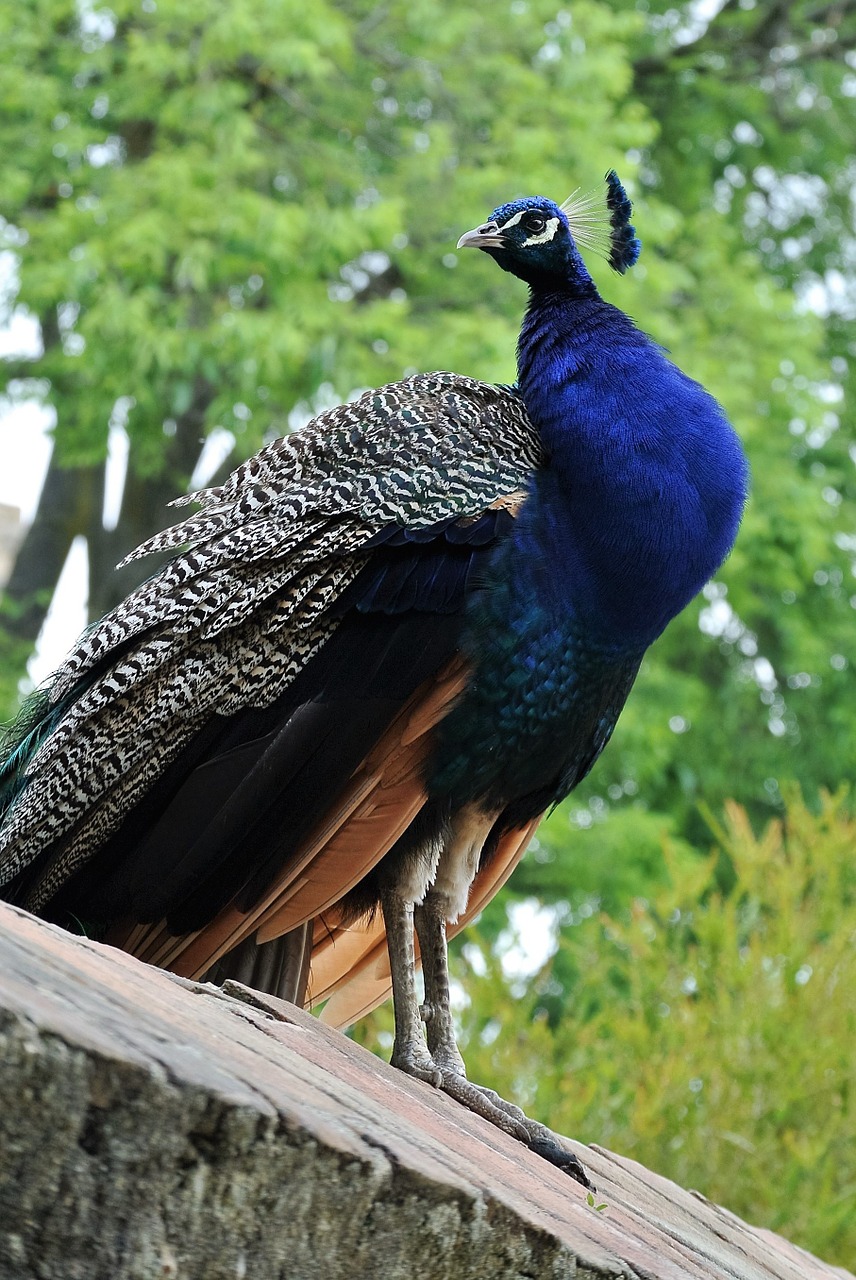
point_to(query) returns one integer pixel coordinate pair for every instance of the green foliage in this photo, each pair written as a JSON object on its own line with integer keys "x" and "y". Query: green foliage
{"x": 194, "y": 178}
{"x": 707, "y": 1034}
{"x": 609, "y": 862}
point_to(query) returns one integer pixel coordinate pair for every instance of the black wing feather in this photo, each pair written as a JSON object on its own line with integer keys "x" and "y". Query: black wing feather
{"x": 247, "y": 790}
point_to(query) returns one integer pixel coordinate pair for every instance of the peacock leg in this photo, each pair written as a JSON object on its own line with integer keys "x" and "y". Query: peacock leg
{"x": 430, "y": 919}
{"x": 409, "y": 1052}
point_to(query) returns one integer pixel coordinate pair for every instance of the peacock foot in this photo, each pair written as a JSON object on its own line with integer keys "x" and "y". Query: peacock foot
{"x": 412, "y": 1057}
{"x": 415, "y": 1060}
{"x": 510, "y": 1118}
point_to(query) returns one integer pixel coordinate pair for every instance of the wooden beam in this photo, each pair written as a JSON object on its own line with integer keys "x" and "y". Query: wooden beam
{"x": 155, "y": 1127}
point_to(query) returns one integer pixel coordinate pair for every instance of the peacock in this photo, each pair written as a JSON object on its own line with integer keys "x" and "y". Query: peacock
{"x": 318, "y": 741}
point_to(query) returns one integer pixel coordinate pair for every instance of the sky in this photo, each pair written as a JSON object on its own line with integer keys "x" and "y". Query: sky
{"x": 25, "y": 449}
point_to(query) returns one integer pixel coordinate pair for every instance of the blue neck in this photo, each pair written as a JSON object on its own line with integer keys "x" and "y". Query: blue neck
{"x": 642, "y": 495}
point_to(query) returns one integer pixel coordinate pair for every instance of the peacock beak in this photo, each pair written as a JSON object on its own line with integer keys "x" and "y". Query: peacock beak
{"x": 487, "y": 236}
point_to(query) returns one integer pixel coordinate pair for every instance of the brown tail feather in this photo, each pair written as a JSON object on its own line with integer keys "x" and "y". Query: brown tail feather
{"x": 384, "y": 796}
{"x": 347, "y": 859}
{"x": 352, "y": 951}
{"x": 366, "y": 986}
{"x": 320, "y": 879}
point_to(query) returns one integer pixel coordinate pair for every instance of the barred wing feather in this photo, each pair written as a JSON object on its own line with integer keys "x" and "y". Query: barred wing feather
{"x": 250, "y": 598}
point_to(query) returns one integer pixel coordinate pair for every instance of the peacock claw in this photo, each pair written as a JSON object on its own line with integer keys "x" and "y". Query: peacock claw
{"x": 549, "y": 1149}
{"x": 476, "y": 1099}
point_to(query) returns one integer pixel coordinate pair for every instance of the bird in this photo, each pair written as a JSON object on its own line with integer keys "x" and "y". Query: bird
{"x": 314, "y": 744}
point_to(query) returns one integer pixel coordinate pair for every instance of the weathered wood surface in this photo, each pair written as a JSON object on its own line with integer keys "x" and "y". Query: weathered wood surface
{"x": 151, "y": 1127}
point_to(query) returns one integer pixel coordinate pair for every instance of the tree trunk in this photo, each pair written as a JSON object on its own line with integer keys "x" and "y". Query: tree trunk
{"x": 145, "y": 510}
{"x": 71, "y": 503}
{"x": 68, "y": 498}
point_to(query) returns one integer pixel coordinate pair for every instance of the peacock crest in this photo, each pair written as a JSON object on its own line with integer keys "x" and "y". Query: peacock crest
{"x": 600, "y": 220}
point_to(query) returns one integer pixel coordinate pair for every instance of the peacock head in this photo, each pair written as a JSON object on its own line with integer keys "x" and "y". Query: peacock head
{"x": 538, "y": 240}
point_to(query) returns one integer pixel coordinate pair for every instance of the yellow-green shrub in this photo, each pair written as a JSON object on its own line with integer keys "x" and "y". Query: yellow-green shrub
{"x": 711, "y": 1036}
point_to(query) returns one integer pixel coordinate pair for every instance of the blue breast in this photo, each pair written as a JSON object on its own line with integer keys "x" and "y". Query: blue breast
{"x": 543, "y": 699}
{"x": 638, "y": 506}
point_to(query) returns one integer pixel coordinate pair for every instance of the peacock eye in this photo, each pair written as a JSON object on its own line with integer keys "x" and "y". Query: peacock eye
{"x": 534, "y": 222}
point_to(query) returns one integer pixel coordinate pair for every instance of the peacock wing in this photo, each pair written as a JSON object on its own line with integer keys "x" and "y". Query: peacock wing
{"x": 228, "y": 626}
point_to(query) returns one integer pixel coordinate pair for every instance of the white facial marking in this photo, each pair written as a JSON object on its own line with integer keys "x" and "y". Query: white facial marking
{"x": 512, "y": 222}
{"x": 547, "y": 234}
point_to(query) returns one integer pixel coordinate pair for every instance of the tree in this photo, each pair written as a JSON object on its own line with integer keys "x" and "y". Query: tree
{"x": 224, "y": 213}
